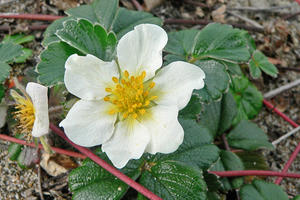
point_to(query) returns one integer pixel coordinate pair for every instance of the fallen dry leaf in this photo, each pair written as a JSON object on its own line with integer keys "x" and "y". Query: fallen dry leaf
{"x": 56, "y": 164}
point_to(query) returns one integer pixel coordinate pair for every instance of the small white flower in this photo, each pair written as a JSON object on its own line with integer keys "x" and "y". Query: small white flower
{"x": 128, "y": 105}
{"x": 32, "y": 109}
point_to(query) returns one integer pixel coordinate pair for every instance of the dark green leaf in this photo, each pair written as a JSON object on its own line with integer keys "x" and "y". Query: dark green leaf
{"x": 296, "y": 197}
{"x": 216, "y": 78}
{"x": 261, "y": 190}
{"x": 217, "y": 116}
{"x": 260, "y": 62}
{"x": 173, "y": 180}
{"x": 221, "y": 42}
{"x": 233, "y": 69}
{"x": 228, "y": 112}
{"x": 8, "y": 51}
{"x": 247, "y": 97}
{"x": 51, "y": 68}
{"x": 247, "y": 135}
{"x": 192, "y": 109}
{"x": 88, "y": 38}
{"x": 182, "y": 43}
{"x": 100, "y": 11}
{"x": 90, "y": 181}
{"x": 126, "y": 20}
{"x": 4, "y": 69}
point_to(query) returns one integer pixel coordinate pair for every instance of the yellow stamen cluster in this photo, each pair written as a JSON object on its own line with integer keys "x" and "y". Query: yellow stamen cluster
{"x": 25, "y": 114}
{"x": 130, "y": 95}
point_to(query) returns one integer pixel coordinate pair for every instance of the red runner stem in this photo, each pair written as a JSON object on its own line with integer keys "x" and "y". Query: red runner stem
{"x": 58, "y": 150}
{"x": 296, "y": 151}
{"x": 30, "y": 16}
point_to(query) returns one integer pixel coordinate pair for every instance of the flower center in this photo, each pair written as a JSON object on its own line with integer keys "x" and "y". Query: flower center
{"x": 25, "y": 114}
{"x": 130, "y": 95}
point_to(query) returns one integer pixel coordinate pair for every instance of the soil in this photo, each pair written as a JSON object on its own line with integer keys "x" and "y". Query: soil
{"x": 280, "y": 41}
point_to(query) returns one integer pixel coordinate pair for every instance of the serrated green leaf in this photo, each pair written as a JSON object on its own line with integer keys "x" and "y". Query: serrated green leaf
{"x": 261, "y": 190}
{"x": 15, "y": 149}
{"x": 90, "y": 181}
{"x": 100, "y": 11}
{"x": 192, "y": 109}
{"x": 217, "y": 116}
{"x": 196, "y": 149}
{"x": 216, "y": 78}
{"x": 233, "y": 69}
{"x": 222, "y": 42}
{"x": 182, "y": 43}
{"x": 126, "y": 20}
{"x": 260, "y": 62}
{"x": 210, "y": 116}
{"x": 247, "y": 135}
{"x": 51, "y": 68}
{"x": 228, "y": 112}
{"x": 49, "y": 34}
{"x": 18, "y": 38}
{"x": 173, "y": 180}
{"x": 9, "y": 50}
{"x": 4, "y": 69}
{"x": 88, "y": 38}
{"x": 247, "y": 97}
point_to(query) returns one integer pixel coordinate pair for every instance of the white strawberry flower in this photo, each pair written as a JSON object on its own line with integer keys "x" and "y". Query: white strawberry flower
{"x": 130, "y": 105}
{"x": 32, "y": 109}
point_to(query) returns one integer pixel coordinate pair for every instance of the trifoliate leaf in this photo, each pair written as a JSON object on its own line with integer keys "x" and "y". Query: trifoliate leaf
{"x": 247, "y": 97}
{"x": 260, "y": 62}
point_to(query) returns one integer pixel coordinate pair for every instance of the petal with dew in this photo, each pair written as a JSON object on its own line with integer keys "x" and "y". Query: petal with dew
{"x": 88, "y": 123}
{"x": 141, "y": 50}
{"x": 128, "y": 142}
{"x": 166, "y": 132}
{"x": 87, "y": 76}
{"x": 39, "y": 96}
{"x": 175, "y": 83}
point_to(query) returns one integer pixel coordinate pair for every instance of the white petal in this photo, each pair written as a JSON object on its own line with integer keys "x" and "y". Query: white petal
{"x": 88, "y": 123}
{"x": 175, "y": 83}
{"x": 39, "y": 97}
{"x": 128, "y": 142}
{"x": 3, "y": 113}
{"x": 87, "y": 76}
{"x": 141, "y": 49}
{"x": 165, "y": 130}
